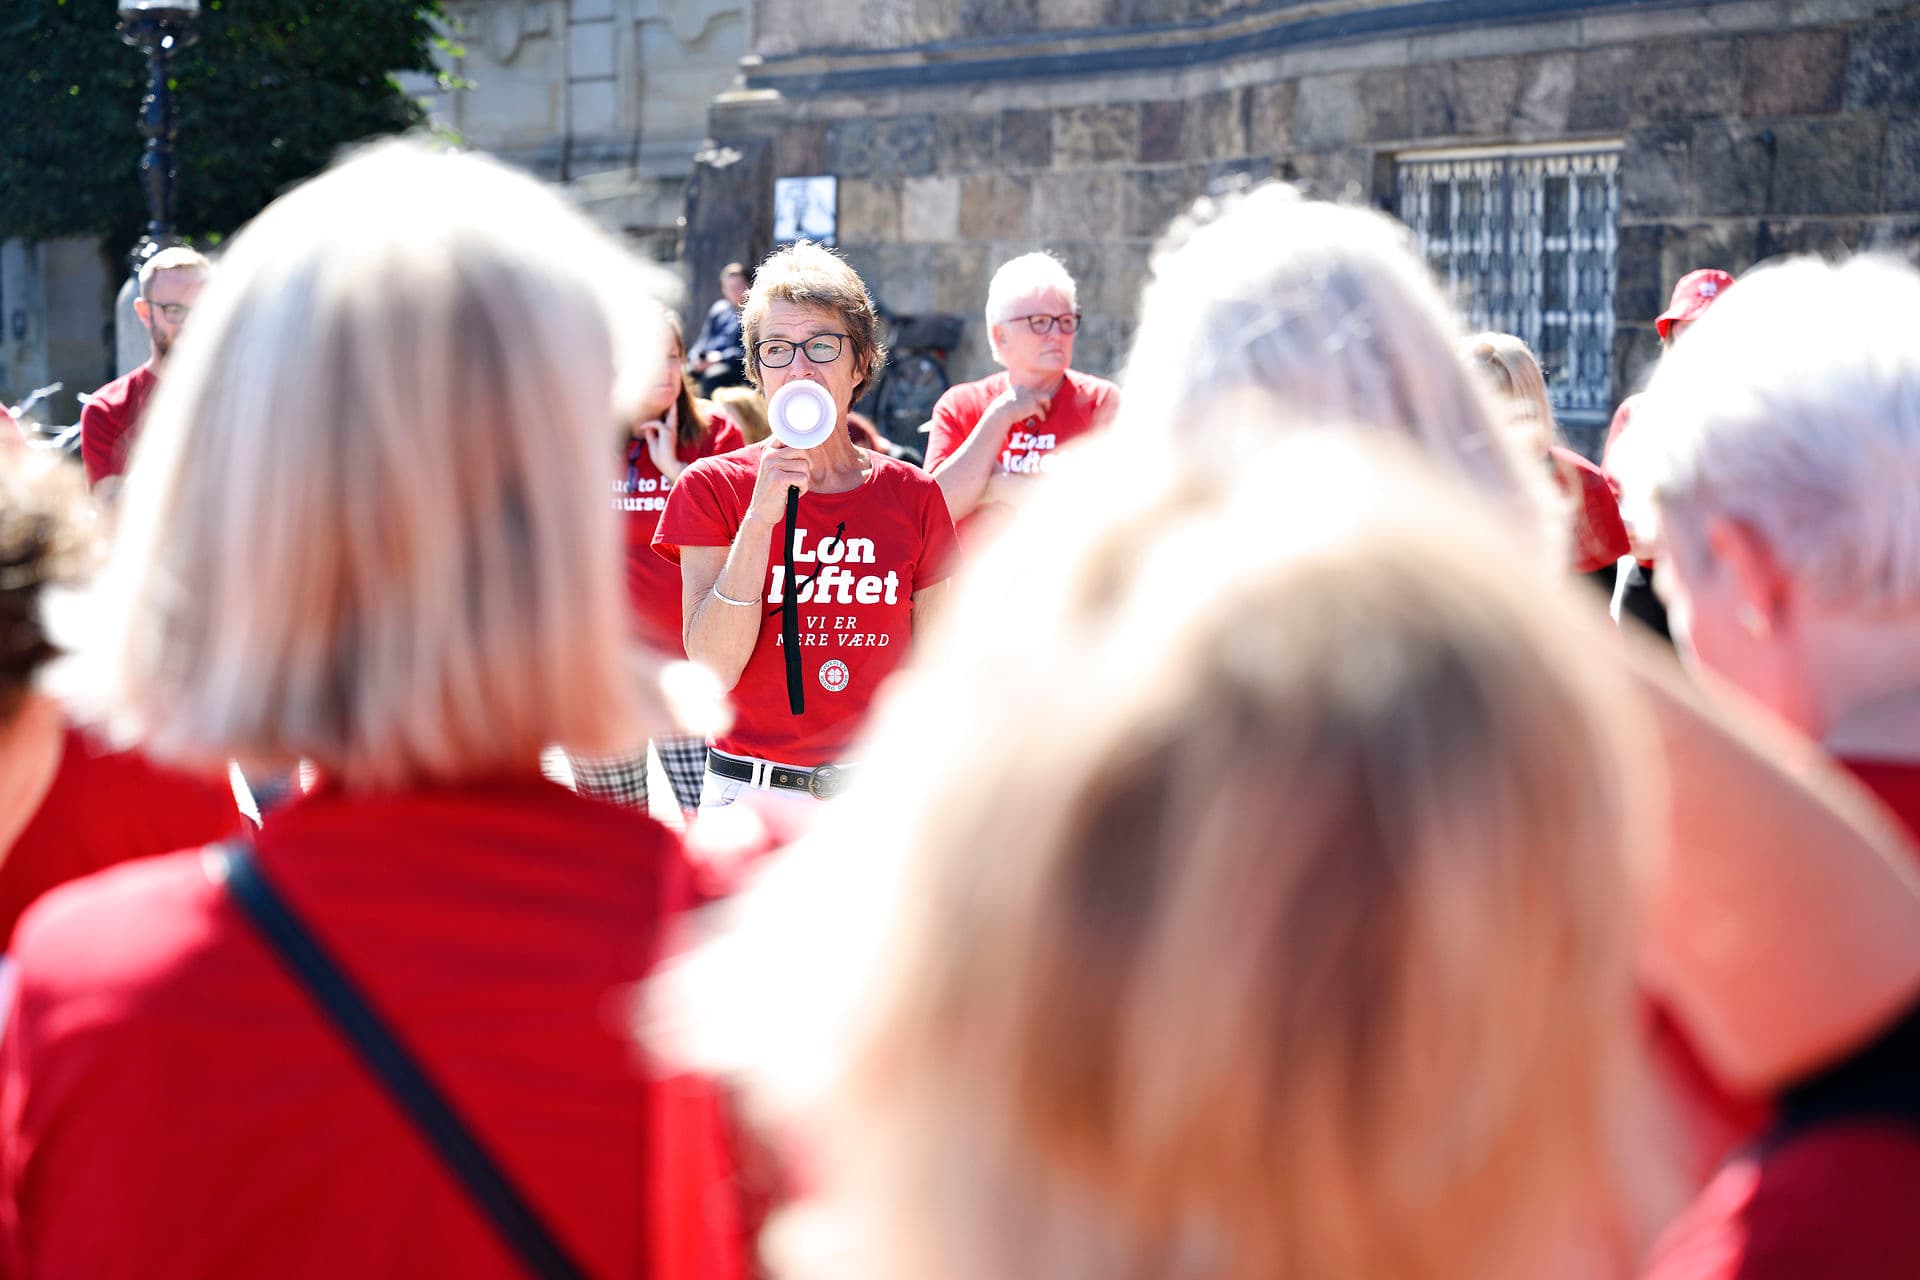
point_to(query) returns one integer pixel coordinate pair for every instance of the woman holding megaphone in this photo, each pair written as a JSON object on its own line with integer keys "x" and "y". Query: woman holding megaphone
{"x": 807, "y": 562}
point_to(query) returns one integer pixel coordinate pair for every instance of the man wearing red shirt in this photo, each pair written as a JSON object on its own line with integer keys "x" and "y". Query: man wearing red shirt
{"x": 170, "y": 284}
{"x": 992, "y": 437}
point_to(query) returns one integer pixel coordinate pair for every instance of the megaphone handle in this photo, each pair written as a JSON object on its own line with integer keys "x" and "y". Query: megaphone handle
{"x": 790, "y": 610}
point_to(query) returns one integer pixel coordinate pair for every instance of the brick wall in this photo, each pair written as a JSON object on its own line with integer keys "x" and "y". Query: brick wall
{"x": 1748, "y": 130}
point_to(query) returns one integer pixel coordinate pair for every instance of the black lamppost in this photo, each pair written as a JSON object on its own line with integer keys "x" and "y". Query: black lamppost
{"x": 160, "y": 29}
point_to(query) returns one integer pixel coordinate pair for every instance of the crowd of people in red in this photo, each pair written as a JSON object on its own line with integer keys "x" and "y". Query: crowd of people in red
{"x": 1199, "y": 827}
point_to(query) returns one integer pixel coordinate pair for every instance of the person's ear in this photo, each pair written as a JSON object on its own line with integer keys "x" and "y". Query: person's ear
{"x": 1761, "y": 583}
{"x": 144, "y": 310}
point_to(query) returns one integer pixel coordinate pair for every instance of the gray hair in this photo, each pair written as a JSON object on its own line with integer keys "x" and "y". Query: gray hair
{"x": 1793, "y": 407}
{"x": 1328, "y": 309}
{"x": 1022, "y": 277}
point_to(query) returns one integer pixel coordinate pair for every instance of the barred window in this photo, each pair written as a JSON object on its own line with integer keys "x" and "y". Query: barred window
{"x": 1526, "y": 241}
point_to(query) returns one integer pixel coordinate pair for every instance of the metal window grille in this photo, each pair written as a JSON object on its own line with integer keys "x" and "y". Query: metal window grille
{"x": 1527, "y": 242}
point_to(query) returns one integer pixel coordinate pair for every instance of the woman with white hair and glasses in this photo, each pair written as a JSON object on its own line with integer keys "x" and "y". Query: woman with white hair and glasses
{"x": 1777, "y": 457}
{"x": 992, "y": 437}
{"x": 804, "y": 620}
{"x": 374, "y": 1040}
{"x": 1783, "y": 928}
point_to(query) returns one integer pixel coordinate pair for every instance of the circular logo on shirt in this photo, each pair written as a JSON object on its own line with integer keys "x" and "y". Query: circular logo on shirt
{"x": 833, "y": 676}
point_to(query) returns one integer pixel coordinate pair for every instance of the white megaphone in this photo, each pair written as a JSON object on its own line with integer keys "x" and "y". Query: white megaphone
{"x": 801, "y": 414}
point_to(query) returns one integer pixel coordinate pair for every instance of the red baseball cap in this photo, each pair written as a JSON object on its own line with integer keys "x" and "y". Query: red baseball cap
{"x": 1693, "y": 295}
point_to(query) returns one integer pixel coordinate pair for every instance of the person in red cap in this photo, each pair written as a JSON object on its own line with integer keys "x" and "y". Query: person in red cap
{"x": 1696, "y": 291}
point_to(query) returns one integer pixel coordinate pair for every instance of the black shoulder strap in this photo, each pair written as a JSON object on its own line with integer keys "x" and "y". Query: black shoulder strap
{"x": 790, "y": 611}
{"x": 513, "y": 1219}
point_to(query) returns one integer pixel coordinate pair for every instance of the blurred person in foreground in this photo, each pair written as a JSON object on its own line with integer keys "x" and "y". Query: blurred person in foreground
{"x": 991, "y": 438}
{"x": 172, "y": 1102}
{"x": 71, "y": 803}
{"x": 1783, "y": 928}
{"x": 1635, "y": 592}
{"x": 110, "y": 418}
{"x": 1778, "y": 450}
{"x": 670, "y": 430}
{"x": 1308, "y": 955}
{"x": 872, "y": 549}
{"x": 1599, "y": 536}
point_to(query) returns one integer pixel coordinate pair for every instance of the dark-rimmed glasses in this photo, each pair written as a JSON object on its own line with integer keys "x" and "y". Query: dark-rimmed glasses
{"x": 175, "y": 312}
{"x": 1044, "y": 324}
{"x": 821, "y": 348}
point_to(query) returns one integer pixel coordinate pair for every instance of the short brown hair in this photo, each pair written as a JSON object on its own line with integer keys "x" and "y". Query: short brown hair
{"x": 178, "y": 258}
{"x": 46, "y": 540}
{"x": 811, "y": 275}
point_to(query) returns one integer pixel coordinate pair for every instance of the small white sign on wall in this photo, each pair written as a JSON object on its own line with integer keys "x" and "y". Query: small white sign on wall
{"x": 804, "y": 209}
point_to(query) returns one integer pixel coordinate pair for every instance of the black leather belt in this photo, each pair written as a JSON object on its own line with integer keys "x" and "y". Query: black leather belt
{"x": 823, "y": 783}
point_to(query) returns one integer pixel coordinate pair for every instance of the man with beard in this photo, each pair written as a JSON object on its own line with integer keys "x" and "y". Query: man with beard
{"x": 170, "y": 282}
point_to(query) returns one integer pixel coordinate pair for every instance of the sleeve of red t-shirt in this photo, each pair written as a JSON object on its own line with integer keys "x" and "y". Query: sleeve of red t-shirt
{"x": 940, "y": 549}
{"x": 699, "y": 514}
{"x": 724, "y": 437}
{"x": 1599, "y": 534}
{"x": 1103, "y": 402}
{"x": 952, "y": 424}
{"x": 100, "y": 432}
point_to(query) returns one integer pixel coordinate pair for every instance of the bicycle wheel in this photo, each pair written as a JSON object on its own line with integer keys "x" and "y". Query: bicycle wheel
{"x": 915, "y": 382}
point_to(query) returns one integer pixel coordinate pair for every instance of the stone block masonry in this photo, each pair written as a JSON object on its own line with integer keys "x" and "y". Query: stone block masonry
{"x": 1745, "y": 129}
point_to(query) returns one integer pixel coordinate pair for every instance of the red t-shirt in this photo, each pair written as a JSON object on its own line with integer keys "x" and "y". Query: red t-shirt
{"x": 106, "y": 807}
{"x": 859, "y": 555}
{"x": 172, "y": 1104}
{"x": 110, "y": 420}
{"x": 640, "y": 495}
{"x": 1835, "y": 1200}
{"x": 1599, "y": 534}
{"x": 1081, "y": 401}
{"x": 1896, "y": 783}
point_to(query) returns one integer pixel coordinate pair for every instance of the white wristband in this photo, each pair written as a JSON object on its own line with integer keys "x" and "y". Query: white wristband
{"x": 724, "y": 598}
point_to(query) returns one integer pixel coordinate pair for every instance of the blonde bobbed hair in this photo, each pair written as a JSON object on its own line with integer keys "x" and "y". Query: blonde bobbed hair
{"x": 365, "y": 523}
{"x": 1267, "y": 916}
{"x": 1329, "y": 309}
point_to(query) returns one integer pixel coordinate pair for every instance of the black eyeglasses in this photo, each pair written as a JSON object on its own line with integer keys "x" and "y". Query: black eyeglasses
{"x": 1044, "y": 324}
{"x": 175, "y": 312}
{"x": 821, "y": 348}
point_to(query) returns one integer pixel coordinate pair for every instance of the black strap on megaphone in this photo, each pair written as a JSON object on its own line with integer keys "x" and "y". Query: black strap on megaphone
{"x": 790, "y": 610}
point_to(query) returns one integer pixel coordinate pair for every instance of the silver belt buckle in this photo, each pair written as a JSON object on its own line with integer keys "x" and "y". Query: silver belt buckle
{"x": 823, "y": 782}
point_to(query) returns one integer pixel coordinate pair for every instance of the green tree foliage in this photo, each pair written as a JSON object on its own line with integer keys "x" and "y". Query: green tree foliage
{"x": 267, "y": 96}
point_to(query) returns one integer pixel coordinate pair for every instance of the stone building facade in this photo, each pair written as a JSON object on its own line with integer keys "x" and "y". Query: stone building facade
{"x": 1656, "y": 137}
{"x": 608, "y": 97}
